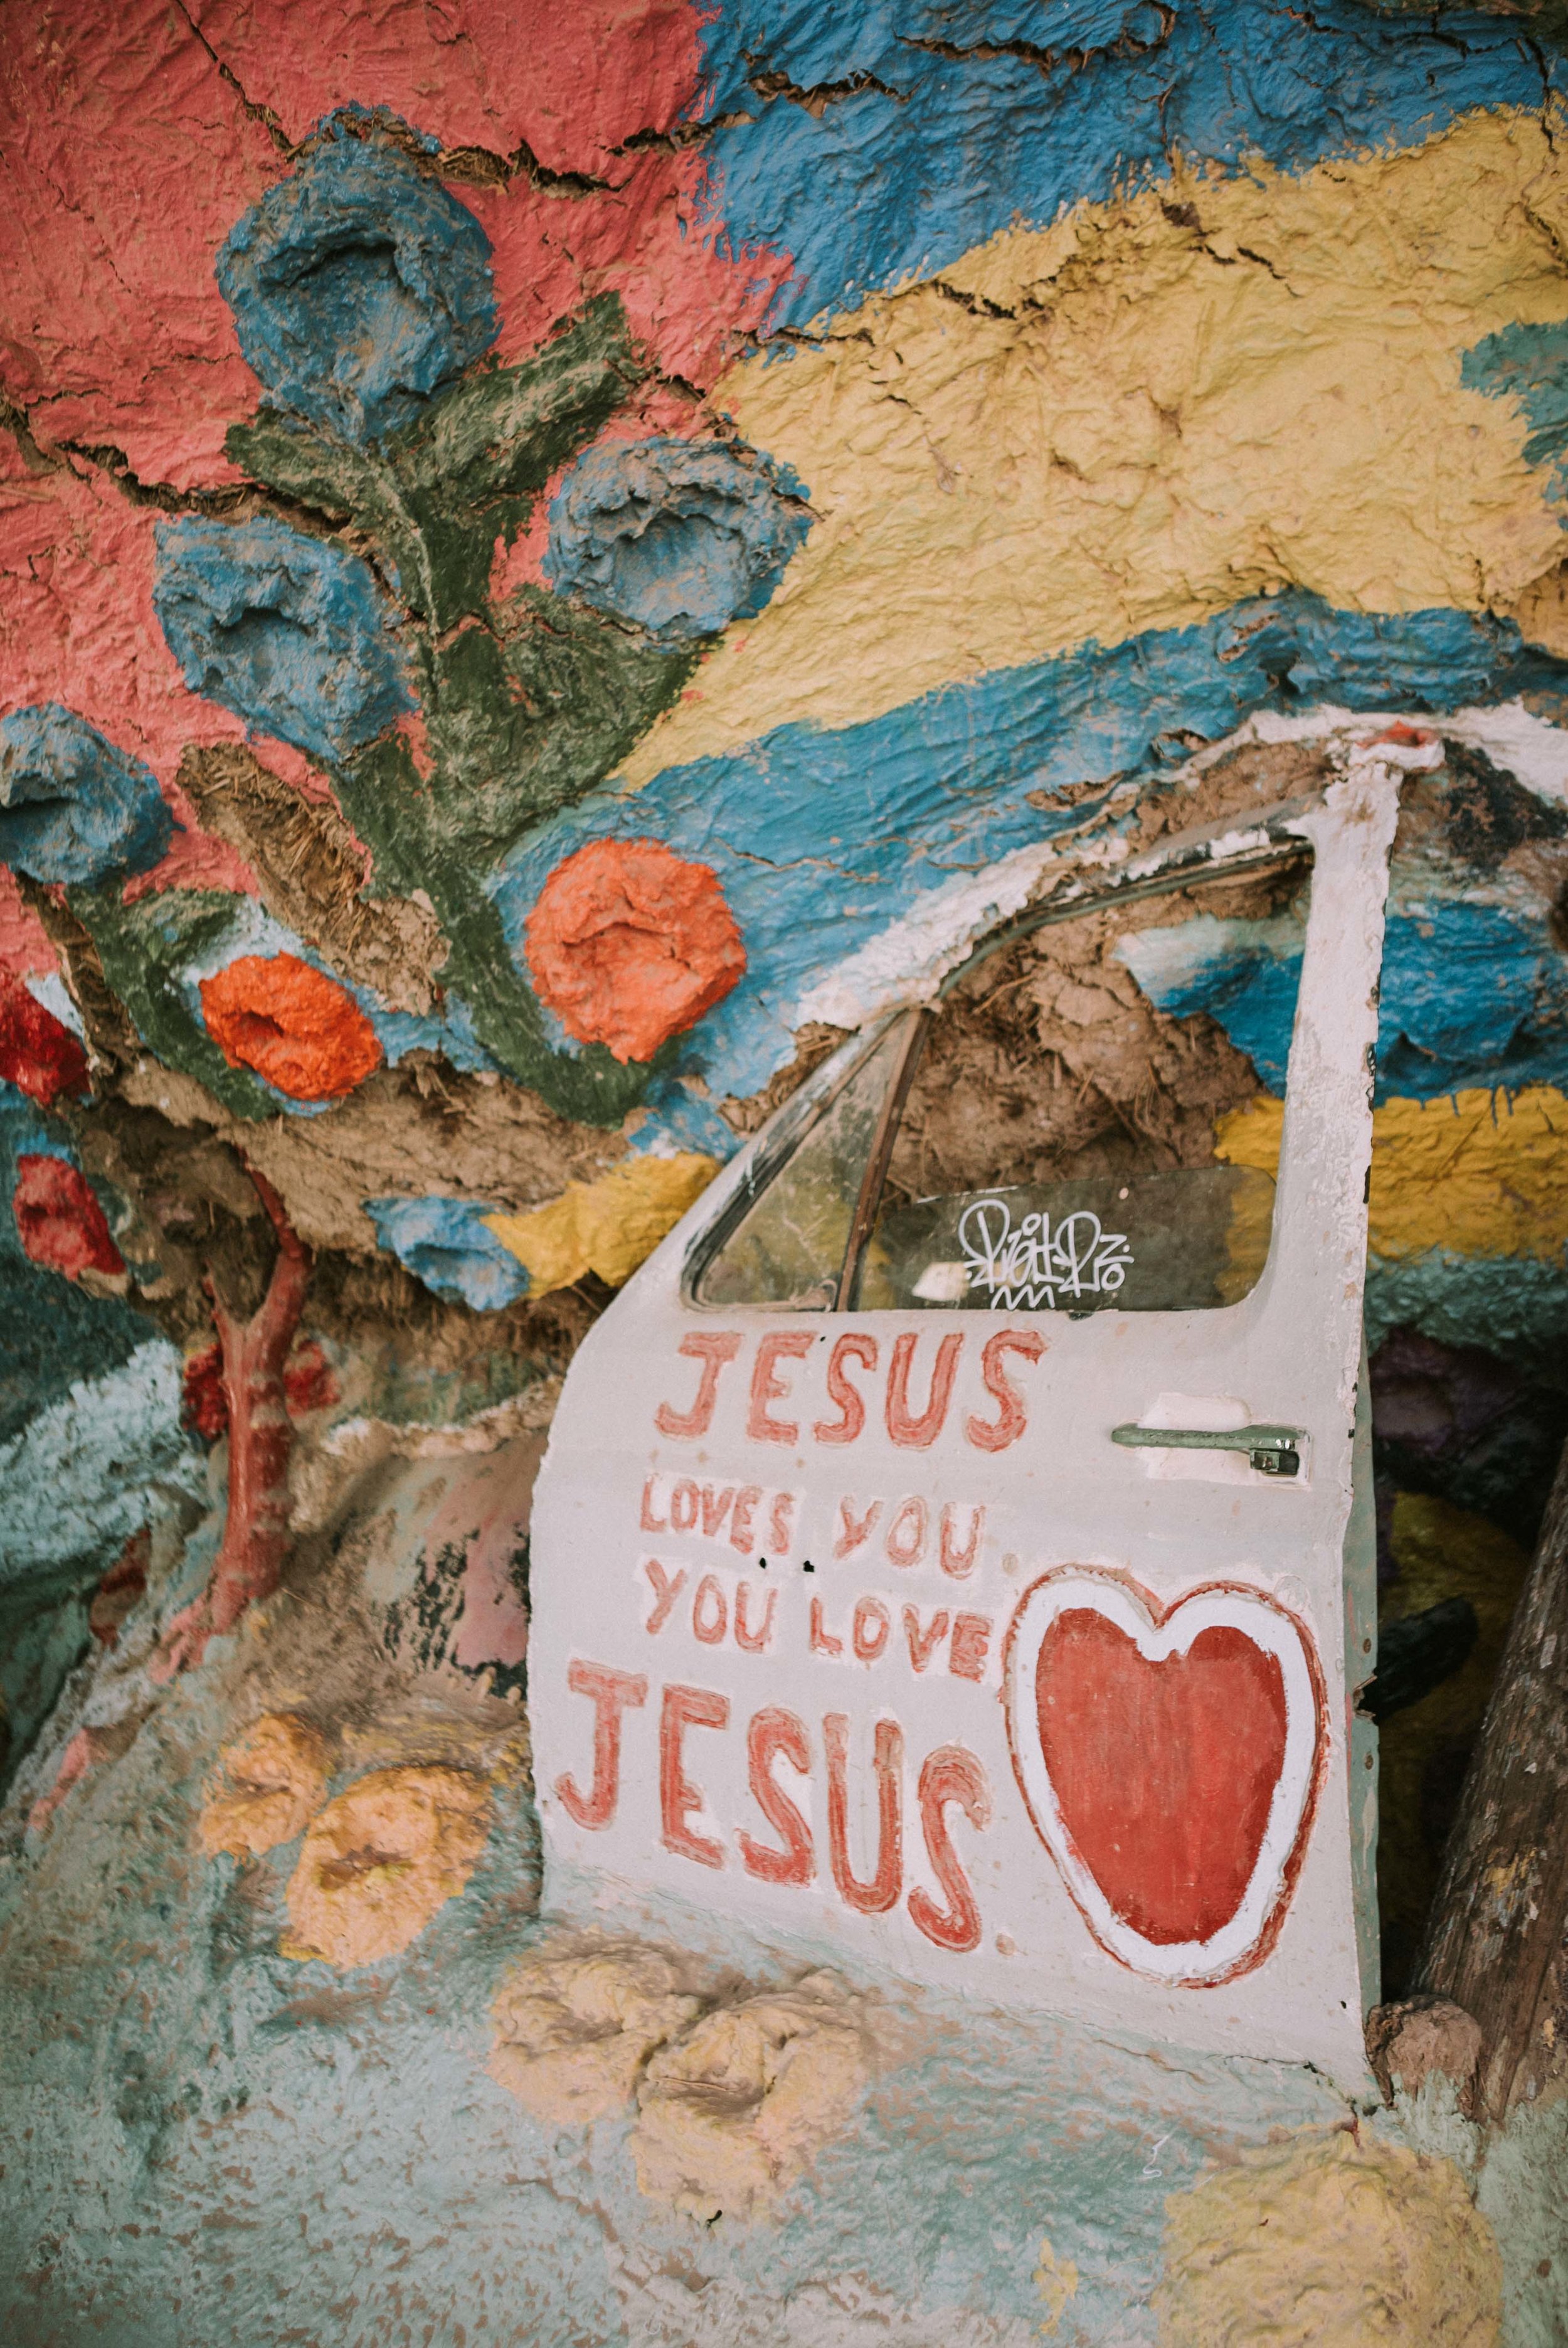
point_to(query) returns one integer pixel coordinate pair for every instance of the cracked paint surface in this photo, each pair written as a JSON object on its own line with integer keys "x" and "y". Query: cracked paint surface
{"x": 821, "y": 476}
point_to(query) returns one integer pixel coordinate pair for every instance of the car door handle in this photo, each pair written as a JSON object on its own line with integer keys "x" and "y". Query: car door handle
{"x": 1271, "y": 1450}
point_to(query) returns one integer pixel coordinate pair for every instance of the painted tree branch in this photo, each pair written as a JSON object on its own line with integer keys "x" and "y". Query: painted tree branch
{"x": 261, "y": 1437}
{"x": 1495, "y": 1939}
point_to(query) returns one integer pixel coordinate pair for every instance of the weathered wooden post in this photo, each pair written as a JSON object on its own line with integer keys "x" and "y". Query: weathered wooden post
{"x": 1495, "y": 1939}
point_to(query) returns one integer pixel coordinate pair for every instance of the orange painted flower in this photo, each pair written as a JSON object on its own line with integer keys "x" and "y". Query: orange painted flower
{"x": 302, "y": 1032}
{"x": 629, "y": 945}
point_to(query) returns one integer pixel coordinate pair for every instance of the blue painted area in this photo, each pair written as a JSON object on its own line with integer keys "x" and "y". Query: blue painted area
{"x": 679, "y": 536}
{"x": 289, "y": 633}
{"x": 1469, "y": 994}
{"x": 74, "y": 808}
{"x": 677, "y": 1118}
{"x": 1244, "y": 974}
{"x": 821, "y": 840}
{"x": 917, "y": 154}
{"x": 359, "y": 287}
{"x": 1532, "y": 363}
{"x": 444, "y": 1243}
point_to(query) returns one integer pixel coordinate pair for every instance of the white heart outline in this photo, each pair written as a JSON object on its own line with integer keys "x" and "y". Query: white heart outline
{"x": 1159, "y": 1632}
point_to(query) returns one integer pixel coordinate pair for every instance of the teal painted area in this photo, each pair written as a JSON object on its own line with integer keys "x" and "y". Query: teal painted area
{"x": 821, "y": 840}
{"x": 44, "y": 1634}
{"x": 78, "y": 1476}
{"x": 879, "y": 142}
{"x": 1529, "y": 364}
{"x": 1516, "y": 1306}
{"x": 335, "y": 2151}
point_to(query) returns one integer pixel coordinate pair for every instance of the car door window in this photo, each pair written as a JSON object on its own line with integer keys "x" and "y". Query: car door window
{"x": 788, "y": 1247}
{"x": 1062, "y": 1132}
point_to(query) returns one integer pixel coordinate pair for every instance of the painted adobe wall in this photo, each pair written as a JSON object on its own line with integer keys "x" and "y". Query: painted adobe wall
{"x": 552, "y": 560}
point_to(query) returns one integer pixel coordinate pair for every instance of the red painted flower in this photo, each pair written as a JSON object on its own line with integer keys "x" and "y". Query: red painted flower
{"x": 629, "y": 945}
{"x": 301, "y": 1031}
{"x": 59, "y": 1222}
{"x": 39, "y": 1053}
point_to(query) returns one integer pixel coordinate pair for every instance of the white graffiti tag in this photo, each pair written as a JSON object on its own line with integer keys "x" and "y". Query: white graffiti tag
{"x": 1034, "y": 1264}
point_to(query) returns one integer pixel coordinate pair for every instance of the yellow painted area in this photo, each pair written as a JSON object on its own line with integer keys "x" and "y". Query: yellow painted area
{"x": 380, "y": 1860}
{"x": 1479, "y": 1173}
{"x": 1440, "y": 1552}
{"x": 609, "y": 1226}
{"x": 1056, "y": 2280}
{"x": 1330, "y": 2242}
{"x": 1214, "y": 390}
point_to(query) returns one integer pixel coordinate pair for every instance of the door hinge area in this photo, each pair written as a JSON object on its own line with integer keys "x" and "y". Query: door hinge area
{"x": 1271, "y": 1450}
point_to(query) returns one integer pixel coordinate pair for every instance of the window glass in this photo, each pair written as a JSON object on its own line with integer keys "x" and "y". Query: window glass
{"x": 788, "y": 1249}
{"x": 1085, "y": 1128}
{"x": 1154, "y": 1243}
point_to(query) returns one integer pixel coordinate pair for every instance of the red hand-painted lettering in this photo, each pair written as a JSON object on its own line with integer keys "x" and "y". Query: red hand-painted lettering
{"x": 666, "y": 1589}
{"x": 683, "y": 1708}
{"x": 918, "y": 1434}
{"x": 776, "y": 1733}
{"x": 778, "y": 1346}
{"x": 612, "y": 1693}
{"x": 713, "y": 1349}
{"x": 757, "y": 1641}
{"x": 875, "y": 1897}
{"x": 924, "y": 1641}
{"x": 847, "y": 1399}
{"x": 1010, "y": 1421}
{"x": 971, "y": 1639}
{"x": 950, "y": 1775}
{"x": 823, "y": 1642}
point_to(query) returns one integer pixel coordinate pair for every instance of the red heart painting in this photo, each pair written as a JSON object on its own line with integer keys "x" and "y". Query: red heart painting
{"x": 1169, "y": 1756}
{"x": 1163, "y": 1771}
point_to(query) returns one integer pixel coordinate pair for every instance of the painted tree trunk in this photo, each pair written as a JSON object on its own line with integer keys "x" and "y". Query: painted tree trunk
{"x": 1495, "y": 1941}
{"x": 261, "y": 1437}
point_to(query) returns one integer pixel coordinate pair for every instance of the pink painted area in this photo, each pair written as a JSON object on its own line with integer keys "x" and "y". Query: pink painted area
{"x": 653, "y": 239}
{"x": 413, "y": 729}
{"x": 125, "y": 159}
{"x": 77, "y": 626}
{"x": 570, "y": 82}
{"x": 25, "y": 948}
{"x": 293, "y": 766}
{"x": 489, "y": 1511}
{"x": 86, "y": 1748}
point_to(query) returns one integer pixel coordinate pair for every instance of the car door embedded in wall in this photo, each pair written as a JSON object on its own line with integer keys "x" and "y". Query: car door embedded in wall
{"x": 954, "y": 1549}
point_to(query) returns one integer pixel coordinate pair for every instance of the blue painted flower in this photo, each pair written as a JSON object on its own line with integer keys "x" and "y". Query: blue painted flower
{"x": 289, "y": 632}
{"x": 446, "y": 1243}
{"x": 359, "y": 287}
{"x": 72, "y": 807}
{"x": 681, "y": 537}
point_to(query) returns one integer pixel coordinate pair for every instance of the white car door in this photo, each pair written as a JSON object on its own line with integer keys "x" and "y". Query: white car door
{"x": 1000, "y": 1641}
